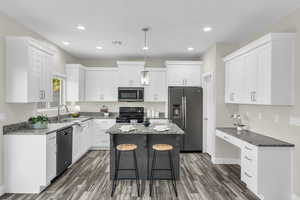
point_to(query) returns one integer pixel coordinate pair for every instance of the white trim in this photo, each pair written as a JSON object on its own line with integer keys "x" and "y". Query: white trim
{"x": 295, "y": 197}
{"x": 182, "y": 62}
{"x": 259, "y": 42}
{"x": 60, "y": 75}
{"x": 101, "y": 69}
{"x": 2, "y": 190}
{"x": 156, "y": 69}
{"x": 139, "y": 63}
{"x": 225, "y": 161}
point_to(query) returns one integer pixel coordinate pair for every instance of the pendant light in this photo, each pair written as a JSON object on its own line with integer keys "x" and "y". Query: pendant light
{"x": 145, "y": 75}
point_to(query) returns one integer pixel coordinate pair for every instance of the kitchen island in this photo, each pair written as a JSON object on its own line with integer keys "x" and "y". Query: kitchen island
{"x": 144, "y": 138}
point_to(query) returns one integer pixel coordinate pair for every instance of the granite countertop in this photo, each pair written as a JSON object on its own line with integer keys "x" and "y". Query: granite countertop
{"x": 52, "y": 127}
{"x": 141, "y": 129}
{"x": 99, "y": 115}
{"x": 255, "y": 138}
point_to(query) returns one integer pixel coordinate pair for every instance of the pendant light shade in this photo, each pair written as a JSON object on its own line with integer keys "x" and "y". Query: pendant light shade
{"x": 145, "y": 75}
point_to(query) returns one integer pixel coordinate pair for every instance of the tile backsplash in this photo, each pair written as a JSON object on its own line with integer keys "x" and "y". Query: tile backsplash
{"x": 114, "y": 106}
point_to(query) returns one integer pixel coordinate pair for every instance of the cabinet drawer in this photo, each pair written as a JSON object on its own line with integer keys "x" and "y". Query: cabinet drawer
{"x": 249, "y": 151}
{"x": 250, "y": 180}
{"x": 228, "y": 138}
{"x": 249, "y": 165}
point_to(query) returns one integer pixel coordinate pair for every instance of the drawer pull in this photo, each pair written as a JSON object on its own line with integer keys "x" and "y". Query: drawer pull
{"x": 247, "y": 148}
{"x": 246, "y": 157}
{"x": 248, "y": 175}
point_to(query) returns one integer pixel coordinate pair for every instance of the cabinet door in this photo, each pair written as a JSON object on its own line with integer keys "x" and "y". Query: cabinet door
{"x": 101, "y": 85}
{"x": 157, "y": 90}
{"x": 47, "y": 76}
{"x": 264, "y": 75}
{"x": 81, "y": 85}
{"x": 51, "y": 157}
{"x": 76, "y": 144}
{"x": 34, "y": 75}
{"x": 176, "y": 76}
{"x": 250, "y": 78}
{"x": 129, "y": 76}
{"x": 193, "y": 76}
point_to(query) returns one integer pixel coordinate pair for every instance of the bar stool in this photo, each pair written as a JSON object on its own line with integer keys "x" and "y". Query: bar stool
{"x": 125, "y": 148}
{"x": 162, "y": 148}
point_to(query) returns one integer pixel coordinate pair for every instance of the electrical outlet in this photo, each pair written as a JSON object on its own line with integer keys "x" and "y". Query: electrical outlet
{"x": 276, "y": 118}
{"x": 2, "y": 117}
{"x": 259, "y": 116}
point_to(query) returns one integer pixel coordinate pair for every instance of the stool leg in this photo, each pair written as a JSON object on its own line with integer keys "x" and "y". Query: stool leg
{"x": 172, "y": 173}
{"x": 152, "y": 171}
{"x": 136, "y": 173}
{"x": 117, "y": 162}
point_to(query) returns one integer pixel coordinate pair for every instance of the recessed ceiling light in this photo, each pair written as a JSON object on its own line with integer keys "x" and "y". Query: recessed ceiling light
{"x": 207, "y": 29}
{"x": 99, "y": 47}
{"x": 80, "y": 27}
{"x": 190, "y": 49}
{"x": 66, "y": 43}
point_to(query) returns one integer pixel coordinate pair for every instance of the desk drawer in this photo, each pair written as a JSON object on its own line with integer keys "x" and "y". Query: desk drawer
{"x": 250, "y": 180}
{"x": 249, "y": 151}
{"x": 228, "y": 138}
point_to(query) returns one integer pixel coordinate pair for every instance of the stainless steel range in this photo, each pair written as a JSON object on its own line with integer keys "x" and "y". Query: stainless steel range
{"x": 129, "y": 114}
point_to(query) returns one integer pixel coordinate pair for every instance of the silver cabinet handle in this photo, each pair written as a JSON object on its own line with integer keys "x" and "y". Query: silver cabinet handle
{"x": 248, "y": 175}
{"x": 246, "y": 157}
{"x": 254, "y": 96}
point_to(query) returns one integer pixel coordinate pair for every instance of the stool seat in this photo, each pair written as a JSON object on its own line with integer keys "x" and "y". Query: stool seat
{"x": 126, "y": 147}
{"x": 162, "y": 147}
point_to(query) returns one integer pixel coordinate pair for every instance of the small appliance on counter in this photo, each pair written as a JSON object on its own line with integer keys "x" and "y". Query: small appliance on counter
{"x": 128, "y": 114}
{"x": 104, "y": 110}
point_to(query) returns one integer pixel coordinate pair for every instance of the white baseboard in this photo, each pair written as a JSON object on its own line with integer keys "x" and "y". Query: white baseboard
{"x": 2, "y": 190}
{"x": 295, "y": 197}
{"x": 225, "y": 161}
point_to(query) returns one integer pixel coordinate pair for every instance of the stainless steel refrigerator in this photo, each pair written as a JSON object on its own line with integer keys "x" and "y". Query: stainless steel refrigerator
{"x": 186, "y": 110}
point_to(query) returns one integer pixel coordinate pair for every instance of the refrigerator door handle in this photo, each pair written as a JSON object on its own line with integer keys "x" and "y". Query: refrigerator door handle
{"x": 185, "y": 112}
{"x": 182, "y": 111}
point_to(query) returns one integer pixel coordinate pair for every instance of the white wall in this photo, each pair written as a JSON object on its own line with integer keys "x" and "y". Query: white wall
{"x": 19, "y": 112}
{"x": 212, "y": 62}
{"x": 282, "y": 129}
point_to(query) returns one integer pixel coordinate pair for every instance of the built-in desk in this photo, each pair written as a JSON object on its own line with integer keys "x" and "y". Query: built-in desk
{"x": 266, "y": 163}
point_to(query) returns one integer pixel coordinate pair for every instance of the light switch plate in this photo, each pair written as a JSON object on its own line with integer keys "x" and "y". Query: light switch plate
{"x": 2, "y": 117}
{"x": 294, "y": 121}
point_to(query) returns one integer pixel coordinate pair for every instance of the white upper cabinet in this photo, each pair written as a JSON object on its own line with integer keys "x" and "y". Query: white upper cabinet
{"x": 262, "y": 71}
{"x": 183, "y": 73}
{"x": 157, "y": 90}
{"x": 29, "y": 68}
{"x": 129, "y": 74}
{"x": 75, "y": 82}
{"x": 101, "y": 84}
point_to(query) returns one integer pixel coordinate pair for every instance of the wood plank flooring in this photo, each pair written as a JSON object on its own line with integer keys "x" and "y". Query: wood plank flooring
{"x": 88, "y": 179}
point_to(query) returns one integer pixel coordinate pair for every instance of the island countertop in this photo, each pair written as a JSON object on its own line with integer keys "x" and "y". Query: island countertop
{"x": 141, "y": 129}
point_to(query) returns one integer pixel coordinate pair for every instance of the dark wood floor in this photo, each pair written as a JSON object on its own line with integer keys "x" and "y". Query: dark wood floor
{"x": 88, "y": 179}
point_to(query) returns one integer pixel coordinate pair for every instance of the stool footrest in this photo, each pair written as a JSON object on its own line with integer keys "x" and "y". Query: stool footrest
{"x": 162, "y": 169}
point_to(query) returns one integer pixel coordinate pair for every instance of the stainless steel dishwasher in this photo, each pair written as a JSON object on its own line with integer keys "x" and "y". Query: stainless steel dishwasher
{"x": 64, "y": 139}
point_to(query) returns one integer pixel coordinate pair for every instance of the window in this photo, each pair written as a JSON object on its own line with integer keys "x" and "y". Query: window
{"x": 58, "y": 94}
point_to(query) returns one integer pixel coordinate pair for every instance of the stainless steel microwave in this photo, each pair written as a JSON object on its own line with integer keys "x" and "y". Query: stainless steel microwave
{"x": 131, "y": 94}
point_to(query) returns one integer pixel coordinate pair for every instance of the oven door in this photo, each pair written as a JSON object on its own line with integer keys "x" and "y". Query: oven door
{"x": 131, "y": 94}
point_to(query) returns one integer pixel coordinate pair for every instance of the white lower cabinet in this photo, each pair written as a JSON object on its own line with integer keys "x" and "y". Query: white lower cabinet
{"x": 100, "y": 137}
{"x": 267, "y": 171}
{"x": 51, "y": 157}
{"x": 81, "y": 139}
{"x": 29, "y": 162}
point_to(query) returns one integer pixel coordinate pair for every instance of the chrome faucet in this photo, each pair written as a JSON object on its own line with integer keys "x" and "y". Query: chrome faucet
{"x": 58, "y": 111}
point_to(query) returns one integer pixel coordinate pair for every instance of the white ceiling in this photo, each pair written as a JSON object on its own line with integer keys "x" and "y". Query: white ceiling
{"x": 176, "y": 24}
